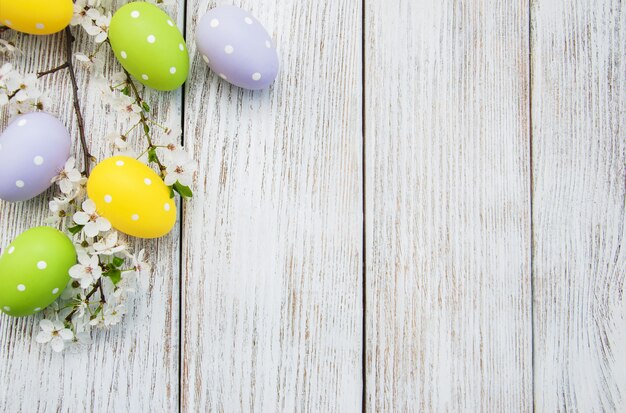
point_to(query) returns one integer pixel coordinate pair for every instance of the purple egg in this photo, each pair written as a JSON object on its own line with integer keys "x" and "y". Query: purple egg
{"x": 33, "y": 150}
{"x": 237, "y": 47}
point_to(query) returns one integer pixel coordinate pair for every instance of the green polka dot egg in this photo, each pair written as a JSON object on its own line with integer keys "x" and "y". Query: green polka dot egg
{"x": 34, "y": 270}
{"x": 149, "y": 46}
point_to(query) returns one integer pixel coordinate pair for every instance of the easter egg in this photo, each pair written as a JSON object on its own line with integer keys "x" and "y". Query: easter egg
{"x": 132, "y": 197}
{"x": 36, "y": 16}
{"x": 149, "y": 46}
{"x": 34, "y": 270}
{"x": 33, "y": 149}
{"x": 237, "y": 47}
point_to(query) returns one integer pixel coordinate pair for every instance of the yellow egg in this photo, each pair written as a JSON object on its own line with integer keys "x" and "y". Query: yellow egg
{"x": 132, "y": 197}
{"x": 36, "y": 16}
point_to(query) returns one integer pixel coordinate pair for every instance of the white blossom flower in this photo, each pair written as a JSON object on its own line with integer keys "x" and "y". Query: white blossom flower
{"x": 54, "y": 333}
{"x": 80, "y": 341}
{"x": 97, "y": 25}
{"x": 113, "y": 315}
{"x": 60, "y": 208}
{"x": 118, "y": 78}
{"x": 89, "y": 218}
{"x": 179, "y": 168}
{"x": 87, "y": 271}
{"x": 129, "y": 107}
{"x": 108, "y": 245}
{"x": 7, "y": 47}
{"x": 27, "y": 87}
{"x": 90, "y": 62}
{"x": 69, "y": 179}
{"x": 119, "y": 141}
{"x": 141, "y": 267}
{"x": 101, "y": 84}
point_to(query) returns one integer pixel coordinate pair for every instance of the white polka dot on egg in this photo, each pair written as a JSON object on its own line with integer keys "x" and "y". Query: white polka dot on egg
{"x": 119, "y": 163}
{"x": 229, "y": 49}
{"x": 21, "y": 122}
{"x": 172, "y": 70}
{"x": 166, "y": 207}
{"x": 215, "y": 23}
{"x": 223, "y": 76}
{"x": 256, "y": 76}
{"x": 19, "y": 183}
{"x": 11, "y": 250}
{"x": 135, "y": 217}
{"x": 151, "y": 38}
{"x": 181, "y": 47}
{"x": 56, "y": 290}
{"x": 147, "y": 181}
{"x": 42, "y": 265}
{"x": 38, "y": 160}
{"x": 37, "y": 309}
{"x": 268, "y": 44}
{"x": 8, "y": 22}
{"x": 21, "y": 287}
{"x": 145, "y": 77}
{"x": 170, "y": 23}
{"x": 39, "y": 26}
{"x": 6, "y": 308}
{"x": 248, "y": 20}
{"x": 134, "y": 14}
{"x": 108, "y": 199}
{"x": 123, "y": 54}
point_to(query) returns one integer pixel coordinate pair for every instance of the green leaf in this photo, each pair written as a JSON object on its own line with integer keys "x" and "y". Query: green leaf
{"x": 152, "y": 155}
{"x": 117, "y": 261}
{"x": 75, "y": 229}
{"x": 146, "y": 128}
{"x": 114, "y": 275}
{"x": 145, "y": 106}
{"x": 126, "y": 91}
{"x": 183, "y": 190}
{"x": 171, "y": 192}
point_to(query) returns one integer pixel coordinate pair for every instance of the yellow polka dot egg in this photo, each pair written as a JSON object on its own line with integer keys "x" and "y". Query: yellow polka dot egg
{"x": 149, "y": 46}
{"x": 36, "y": 16}
{"x": 132, "y": 197}
{"x": 34, "y": 270}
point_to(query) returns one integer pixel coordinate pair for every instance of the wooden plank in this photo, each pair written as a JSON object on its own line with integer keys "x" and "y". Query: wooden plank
{"x": 134, "y": 366}
{"x": 447, "y": 206}
{"x": 272, "y": 241}
{"x": 579, "y": 181}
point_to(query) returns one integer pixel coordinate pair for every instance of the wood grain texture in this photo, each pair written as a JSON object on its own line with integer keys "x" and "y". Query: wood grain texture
{"x": 447, "y": 206}
{"x": 579, "y": 153}
{"x": 134, "y": 366}
{"x": 272, "y": 240}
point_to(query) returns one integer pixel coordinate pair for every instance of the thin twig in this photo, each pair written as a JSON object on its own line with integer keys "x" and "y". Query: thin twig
{"x": 69, "y": 39}
{"x": 144, "y": 120}
{"x": 102, "y": 298}
{"x": 53, "y": 70}
{"x": 95, "y": 288}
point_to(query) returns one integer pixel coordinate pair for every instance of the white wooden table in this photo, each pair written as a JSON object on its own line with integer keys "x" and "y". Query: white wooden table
{"x": 425, "y": 213}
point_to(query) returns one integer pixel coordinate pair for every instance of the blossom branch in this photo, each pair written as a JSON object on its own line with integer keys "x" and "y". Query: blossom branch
{"x": 144, "y": 120}
{"x": 97, "y": 286}
{"x": 69, "y": 39}
{"x": 53, "y": 70}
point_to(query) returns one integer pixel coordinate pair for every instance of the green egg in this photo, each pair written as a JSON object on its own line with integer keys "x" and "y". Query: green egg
{"x": 34, "y": 270}
{"x": 149, "y": 46}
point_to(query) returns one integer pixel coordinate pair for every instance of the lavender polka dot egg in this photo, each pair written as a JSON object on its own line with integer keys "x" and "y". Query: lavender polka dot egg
{"x": 33, "y": 149}
{"x": 237, "y": 47}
